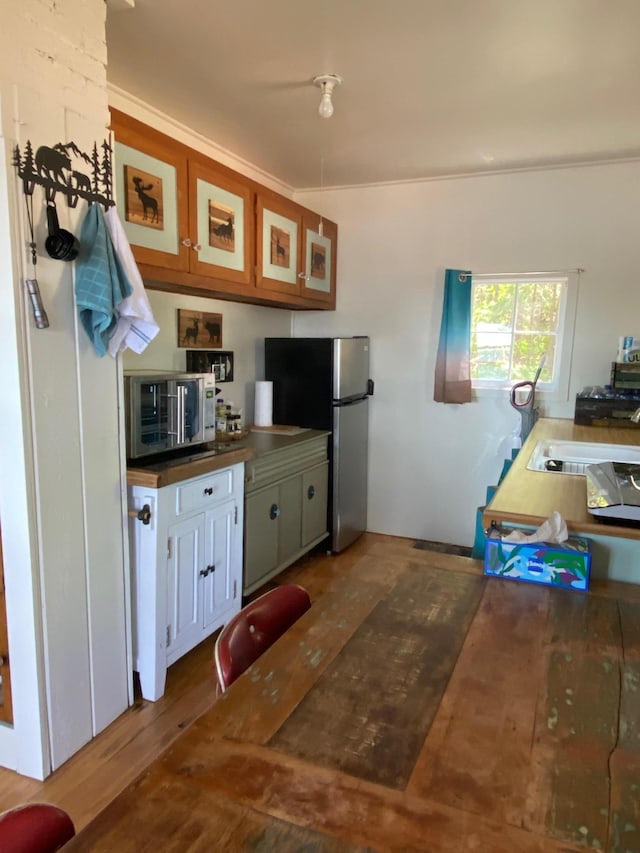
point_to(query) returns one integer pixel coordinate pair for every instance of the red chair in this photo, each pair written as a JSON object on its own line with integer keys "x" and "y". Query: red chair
{"x": 256, "y": 627}
{"x": 34, "y": 828}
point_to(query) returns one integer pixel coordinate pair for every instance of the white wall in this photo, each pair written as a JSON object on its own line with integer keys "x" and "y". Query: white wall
{"x": 244, "y": 328}
{"x": 60, "y": 462}
{"x": 429, "y": 462}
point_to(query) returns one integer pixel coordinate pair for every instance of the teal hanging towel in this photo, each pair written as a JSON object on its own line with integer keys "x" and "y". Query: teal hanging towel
{"x": 452, "y": 375}
{"x": 101, "y": 282}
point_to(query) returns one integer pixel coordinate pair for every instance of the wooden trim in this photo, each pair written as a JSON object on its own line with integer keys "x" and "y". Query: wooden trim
{"x": 6, "y": 707}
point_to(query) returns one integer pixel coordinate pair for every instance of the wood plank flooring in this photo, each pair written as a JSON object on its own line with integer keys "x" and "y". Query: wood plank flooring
{"x": 86, "y": 783}
{"x": 514, "y": 663}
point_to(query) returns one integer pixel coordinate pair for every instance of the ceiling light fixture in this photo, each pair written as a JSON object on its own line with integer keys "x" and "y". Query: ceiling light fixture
{"x": 327, "y": 83}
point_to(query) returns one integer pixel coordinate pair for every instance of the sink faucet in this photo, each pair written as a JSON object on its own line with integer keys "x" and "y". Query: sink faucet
{"x": 635, "y": 417}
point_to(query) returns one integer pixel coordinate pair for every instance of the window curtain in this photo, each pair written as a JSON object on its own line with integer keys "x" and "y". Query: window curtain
{"x": 452, "y": 376}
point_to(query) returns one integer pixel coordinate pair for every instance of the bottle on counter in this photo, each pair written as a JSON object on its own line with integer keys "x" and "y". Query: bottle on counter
{"x": 221, "y": 417}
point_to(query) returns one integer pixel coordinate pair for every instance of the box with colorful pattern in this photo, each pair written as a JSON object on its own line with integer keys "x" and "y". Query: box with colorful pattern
{"x": 566, "y": 564}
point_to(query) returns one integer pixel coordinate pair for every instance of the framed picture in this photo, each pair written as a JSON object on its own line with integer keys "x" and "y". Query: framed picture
{"x": 279, "y": 247}
{"x": 221, "y": 206}
{"x": 319, "y": 258}
{"x": 143, "y": 202}
{"x": 318, "y": 261}
{"x": 221, "y": 226}
{"x": 198, "y": 329}
{"x": 148, "y": 188}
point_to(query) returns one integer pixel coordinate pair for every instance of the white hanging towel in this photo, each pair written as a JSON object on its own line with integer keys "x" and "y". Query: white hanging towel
{"x": 136, "y": 326}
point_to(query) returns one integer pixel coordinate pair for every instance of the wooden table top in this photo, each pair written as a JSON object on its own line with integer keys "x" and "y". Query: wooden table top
{"x": 529, "y": 497}
{"x": 412, "y": 708}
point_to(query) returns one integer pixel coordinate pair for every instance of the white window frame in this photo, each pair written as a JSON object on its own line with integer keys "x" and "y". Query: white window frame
{"x": 558, "y": 390}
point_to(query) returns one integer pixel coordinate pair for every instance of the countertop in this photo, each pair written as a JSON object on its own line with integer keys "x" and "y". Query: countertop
{"x": 213, "y": 456}
{"x": 529, "y": 497}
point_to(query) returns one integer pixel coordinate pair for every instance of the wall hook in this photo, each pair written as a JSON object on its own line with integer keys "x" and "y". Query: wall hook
{"x": 56, "y": 168}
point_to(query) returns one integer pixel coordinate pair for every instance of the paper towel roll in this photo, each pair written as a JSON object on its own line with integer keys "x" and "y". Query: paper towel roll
{"x": 263, "y": 414}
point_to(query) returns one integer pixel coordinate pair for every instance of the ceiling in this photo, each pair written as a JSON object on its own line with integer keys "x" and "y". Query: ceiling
{"x": 430, "y": 87}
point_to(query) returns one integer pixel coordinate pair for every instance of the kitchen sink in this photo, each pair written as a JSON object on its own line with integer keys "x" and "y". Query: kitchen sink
{"x": 572, "y": 457}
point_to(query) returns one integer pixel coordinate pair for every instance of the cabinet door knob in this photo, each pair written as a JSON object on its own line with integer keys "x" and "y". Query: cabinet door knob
{"x": 274, "y": 512}
{"x": 186, "y": 242}
{"x": 208, "y": 491}
{"x": 204, "y": 572}
{"x": 196, "y": 247}
{"x": 311, "y": 492}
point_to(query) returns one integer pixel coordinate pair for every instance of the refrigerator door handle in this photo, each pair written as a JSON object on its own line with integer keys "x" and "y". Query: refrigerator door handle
{"x": 370, "y": 385}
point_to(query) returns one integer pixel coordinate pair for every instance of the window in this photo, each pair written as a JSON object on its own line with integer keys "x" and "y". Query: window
{"x": 519, "y": 322}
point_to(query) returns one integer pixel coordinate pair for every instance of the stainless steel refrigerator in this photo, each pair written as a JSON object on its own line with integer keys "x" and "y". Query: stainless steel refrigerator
{"x": 323, "y": 383}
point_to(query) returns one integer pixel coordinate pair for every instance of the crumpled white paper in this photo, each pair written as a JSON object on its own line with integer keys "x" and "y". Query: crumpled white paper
{"x": 554, "y": 529}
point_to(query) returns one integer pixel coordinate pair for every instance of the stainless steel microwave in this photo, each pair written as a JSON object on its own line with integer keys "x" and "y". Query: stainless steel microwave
{"x": 168, "y": 411}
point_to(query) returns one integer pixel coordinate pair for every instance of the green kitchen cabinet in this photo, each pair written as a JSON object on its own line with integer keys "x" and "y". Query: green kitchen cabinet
{"x": 286, "y": 494}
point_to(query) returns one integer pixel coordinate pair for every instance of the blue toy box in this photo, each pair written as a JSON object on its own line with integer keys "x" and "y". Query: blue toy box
{"x": 566, "y": 565}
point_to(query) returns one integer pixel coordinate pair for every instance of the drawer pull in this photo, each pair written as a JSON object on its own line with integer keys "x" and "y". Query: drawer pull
{"x": 274, "y": 512}
{"x": 208, "y": 491}
{"x": 311, "y": 492}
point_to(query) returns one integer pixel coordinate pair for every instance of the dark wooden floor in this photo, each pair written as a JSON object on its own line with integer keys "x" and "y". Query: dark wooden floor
{"x": 94, "y": 776}
{"x": 509, "y": 711}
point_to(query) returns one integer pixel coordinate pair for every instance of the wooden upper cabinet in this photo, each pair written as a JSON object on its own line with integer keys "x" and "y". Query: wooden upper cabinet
{"x": 221, "y": 220}
{"x": 319, "y": 247}
{"x": 296, "y": 251}
{"x": 150, "y": 179}
{"x": 197, "y": 226}
{"x": 278, "y": 230}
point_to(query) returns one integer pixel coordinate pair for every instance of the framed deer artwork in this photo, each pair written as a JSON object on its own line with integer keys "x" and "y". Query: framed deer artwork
{"x": 278, "y": 224}
{"x": 146, "y": 193}
{"x": 221, "y": 208}
{"x": 199, "y": 330}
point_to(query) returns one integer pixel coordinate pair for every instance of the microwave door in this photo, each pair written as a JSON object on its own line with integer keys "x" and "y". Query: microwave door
{"x": 151, "y": 409}
{"x": 187, "y": 421}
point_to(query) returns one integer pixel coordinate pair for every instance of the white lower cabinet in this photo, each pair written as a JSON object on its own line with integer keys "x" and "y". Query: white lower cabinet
{"x": 187, "y": 568}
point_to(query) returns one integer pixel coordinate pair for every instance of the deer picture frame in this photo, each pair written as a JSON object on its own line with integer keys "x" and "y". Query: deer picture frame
{"x": 278, "y": 256}
{"x": 146, "y": 189}
{"x": 199, "y": 329}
